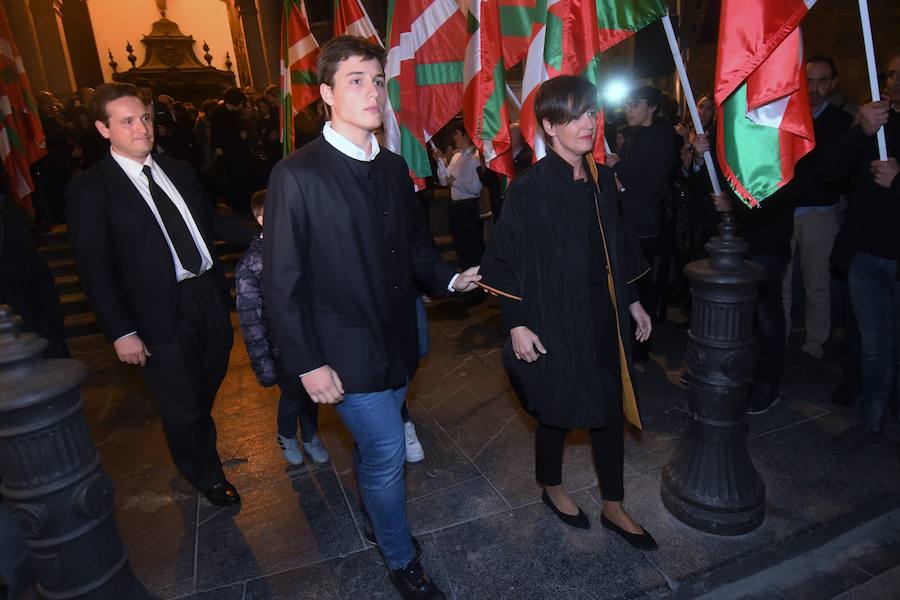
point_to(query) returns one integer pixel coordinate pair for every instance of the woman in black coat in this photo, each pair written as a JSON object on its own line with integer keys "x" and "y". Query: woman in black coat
{"x": 564, "y": 264}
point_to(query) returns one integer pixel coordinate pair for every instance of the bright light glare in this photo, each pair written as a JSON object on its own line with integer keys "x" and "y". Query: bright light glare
{"x": 616, "y": 91}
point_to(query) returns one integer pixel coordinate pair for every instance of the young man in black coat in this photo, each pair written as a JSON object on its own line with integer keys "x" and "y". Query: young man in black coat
{"x": 142, "y": 232}
{"x": 344, "y": 238}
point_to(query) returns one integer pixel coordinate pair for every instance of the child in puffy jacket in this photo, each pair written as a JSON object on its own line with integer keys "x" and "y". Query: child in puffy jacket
{"x": 295, "y": 404}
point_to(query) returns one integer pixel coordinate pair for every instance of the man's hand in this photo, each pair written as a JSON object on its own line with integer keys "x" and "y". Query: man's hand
{"x": 873, "y": 115}
{"x": 437, "y": 154}
{"x": 466, "y": 280}
{"x": 131, "y": 350}
{"x": 526, "y": 344}
{"x": 701, "y": 145}
{"x": 323, "y": 385}
{"x": 642, "y": 320}
{"x": 611, "y": 159}
{"x": 885, "y": 171}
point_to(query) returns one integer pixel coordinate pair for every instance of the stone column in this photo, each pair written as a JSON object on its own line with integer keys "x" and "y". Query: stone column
{"x": 256, "y": 53}
{"x": 23, "y": 30}
{"x": 270, "y": 20}
{"x": 51, "y": 39}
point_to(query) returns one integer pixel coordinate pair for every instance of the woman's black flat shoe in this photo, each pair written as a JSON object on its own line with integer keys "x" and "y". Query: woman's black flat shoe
{"x": 643, "y": 541}
{"x": 580, "y": 520}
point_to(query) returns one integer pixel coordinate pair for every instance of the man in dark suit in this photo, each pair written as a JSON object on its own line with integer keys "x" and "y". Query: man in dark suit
{"x": 143, "y": 233}
{"x": 344, "y": 238}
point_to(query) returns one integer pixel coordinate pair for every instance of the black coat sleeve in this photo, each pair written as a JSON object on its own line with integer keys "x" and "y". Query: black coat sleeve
{"x": 501, "y": 267}
{"x": 286, "y": 276}
{"x": 90, "y": 236}
{"x": 429, "y": 269}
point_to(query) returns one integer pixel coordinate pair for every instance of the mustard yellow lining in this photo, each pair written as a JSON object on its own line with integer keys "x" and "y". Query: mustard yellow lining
{"x": 497, "y": 292}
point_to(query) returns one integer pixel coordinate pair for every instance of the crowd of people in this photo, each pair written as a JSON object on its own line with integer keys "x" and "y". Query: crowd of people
{"x": 585, "y": 259}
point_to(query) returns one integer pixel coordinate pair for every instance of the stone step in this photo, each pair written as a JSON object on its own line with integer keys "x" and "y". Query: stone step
{"x": 841, "y": 561}
{"x": 62, "y": 266}
{"x": 59, "y": 251}
{"x": 81, "y": 324}
{"x": 66, "y": 284}
{"x": 57, "y": 234}
{"x": 74, "y": 303}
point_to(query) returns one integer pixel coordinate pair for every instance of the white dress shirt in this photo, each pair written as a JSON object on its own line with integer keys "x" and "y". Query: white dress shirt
{"x": 134, "y": 171}
{"x": 463, "y": 168}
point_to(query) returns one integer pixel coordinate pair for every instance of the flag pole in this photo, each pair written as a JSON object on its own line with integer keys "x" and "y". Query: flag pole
{"x": 689, "y": 98}
{"x": 873, "y": 72}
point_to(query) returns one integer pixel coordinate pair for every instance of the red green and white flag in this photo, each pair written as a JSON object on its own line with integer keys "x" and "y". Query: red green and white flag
{"x": 351, "y": 18}
{"x": 619, "y": 19}
{"x": 299, "y": 52}
{"x": 424, "y": 72}
{"x": 485, "y": 111}
{"x": 765, "y": 122}
{"x": 22, "y": 140}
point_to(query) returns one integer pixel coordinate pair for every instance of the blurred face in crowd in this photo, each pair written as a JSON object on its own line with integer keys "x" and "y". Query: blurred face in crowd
{"x": 460, "y": 140}
{"x": 707, "y": 110}
{"x": 892, "y": 81}
{"x": 821, "y": 82}
{"x": 639, "y": 112}
{"x": 129, "y": 128}
{"x": 356, "y": 98}
{"x": 574, "y": 139}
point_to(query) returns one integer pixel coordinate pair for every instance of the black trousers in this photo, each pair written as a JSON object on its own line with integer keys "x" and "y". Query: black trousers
{"x": 608, "y": 445}
{"x": 184, "y": 376}
{"x": 467, "y": 231}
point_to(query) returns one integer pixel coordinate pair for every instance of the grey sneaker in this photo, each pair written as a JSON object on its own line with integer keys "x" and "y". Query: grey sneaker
{"x": 316, "y": 450}
{"x": 291, "y": 449}
{"x": 414, "y": 451}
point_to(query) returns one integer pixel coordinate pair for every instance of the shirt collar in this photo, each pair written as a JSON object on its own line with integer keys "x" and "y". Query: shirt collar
{"x": 130, "y": 166}
{"x": 348, "y": 148}
{"x": 818, "y": 110}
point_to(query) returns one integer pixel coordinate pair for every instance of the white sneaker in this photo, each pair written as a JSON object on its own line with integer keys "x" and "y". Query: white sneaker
{"x": 316, "y": 450}
{"x": 414, "y": 451}
{"x": 291, "y": 449}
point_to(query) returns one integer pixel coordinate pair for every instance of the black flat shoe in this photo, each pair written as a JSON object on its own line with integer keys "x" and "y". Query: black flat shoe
{"x": 580, "y": 520}
{"x": 413, "y": 583}
{"x": 223, "y": 494}
{"x": 643, "y": 541}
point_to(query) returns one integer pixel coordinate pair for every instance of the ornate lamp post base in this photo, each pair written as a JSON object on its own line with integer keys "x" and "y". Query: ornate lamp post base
{"x": 711, "y": 483}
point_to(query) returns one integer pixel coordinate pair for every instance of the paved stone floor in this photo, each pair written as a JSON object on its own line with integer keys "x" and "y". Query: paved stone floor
{"x": 473, "y": 502}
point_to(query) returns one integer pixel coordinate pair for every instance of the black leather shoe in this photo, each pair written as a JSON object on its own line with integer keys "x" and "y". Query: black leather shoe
{"x": 413, "y": 583}
{"x": 643, "y": 541}
{"x": 580, "y": 520}
{"x": 223, "y": 494}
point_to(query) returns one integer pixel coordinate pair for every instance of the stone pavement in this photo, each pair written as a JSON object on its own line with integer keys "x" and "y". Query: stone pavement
{"x": 473, "y": 502}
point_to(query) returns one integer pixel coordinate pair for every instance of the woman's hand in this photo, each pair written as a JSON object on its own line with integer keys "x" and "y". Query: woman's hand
{"x": 526, "y": 344}
{"x": 642, "y": 320}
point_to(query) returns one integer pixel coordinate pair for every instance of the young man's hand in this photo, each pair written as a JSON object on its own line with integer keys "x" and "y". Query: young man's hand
{"x": 323, "y": 385}
{"x": 466, "y": 280}
{"x": 131, "y": 350}
{"x": 873, "y": 115}
{"x": 885, "y": 171}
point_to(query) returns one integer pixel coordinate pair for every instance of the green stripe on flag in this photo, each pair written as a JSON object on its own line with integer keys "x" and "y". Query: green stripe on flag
{"x": 439, "y": 73}
{"x": 752, "y": 151}
{"x": 304, "y": 78}
{"x": 516, "y": 21}
{"x": 393, "y": 91}
{"x": 491, "y": 118}
{"x": 628, "y": 15}
{"x": 553, "y": 41}
{"x": 415, "y": 155}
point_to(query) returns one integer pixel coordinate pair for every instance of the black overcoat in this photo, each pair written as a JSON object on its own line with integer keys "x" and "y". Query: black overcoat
{"x": 539, "y": 261}
{"x": 343, "y": 241}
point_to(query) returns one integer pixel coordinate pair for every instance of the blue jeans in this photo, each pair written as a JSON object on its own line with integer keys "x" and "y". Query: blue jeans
{"x": 875, "y": 293}
{"x": 374, "y": 421}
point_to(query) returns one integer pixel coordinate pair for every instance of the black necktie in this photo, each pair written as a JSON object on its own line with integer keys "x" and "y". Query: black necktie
{"x": 176, "y": 228}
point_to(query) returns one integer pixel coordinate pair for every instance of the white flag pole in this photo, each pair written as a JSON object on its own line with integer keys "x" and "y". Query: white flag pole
{"x": 873, "y": 72}
{"x": 689, "y": 98}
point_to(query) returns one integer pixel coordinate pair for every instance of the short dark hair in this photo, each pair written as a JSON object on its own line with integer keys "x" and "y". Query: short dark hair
{"x": 257, "y": 202}
{"x": 564, "y": 98}
{"x": 821, "y": 58}
{"x": 341, "y": 48}
{"x": 106, "y": 93}
{"x": 234, "y": 97}
{"x": 458, "y": 125}
{"x": 647, "y": 92}
{"x": 143, "y": 82}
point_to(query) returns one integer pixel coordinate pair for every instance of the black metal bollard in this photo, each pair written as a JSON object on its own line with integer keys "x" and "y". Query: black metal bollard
{"x": 50, "y": 475}
{"x": 711, "y": 483}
